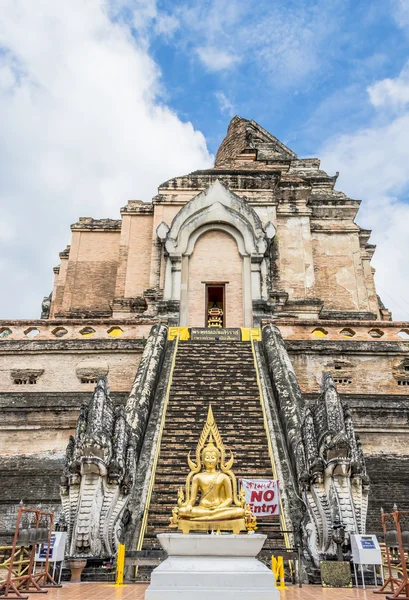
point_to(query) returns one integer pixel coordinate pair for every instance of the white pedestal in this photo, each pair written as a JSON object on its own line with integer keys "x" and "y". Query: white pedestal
{"x": 212, "y": 567}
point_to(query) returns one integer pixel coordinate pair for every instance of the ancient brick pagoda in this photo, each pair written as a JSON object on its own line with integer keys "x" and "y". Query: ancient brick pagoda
{"x": 311, "y": 392}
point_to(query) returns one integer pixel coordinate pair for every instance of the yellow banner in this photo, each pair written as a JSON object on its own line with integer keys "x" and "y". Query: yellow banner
{"x": 246, "y": 333}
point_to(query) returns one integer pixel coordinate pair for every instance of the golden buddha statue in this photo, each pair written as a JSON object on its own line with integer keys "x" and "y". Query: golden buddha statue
{"x": 219, "y": 506}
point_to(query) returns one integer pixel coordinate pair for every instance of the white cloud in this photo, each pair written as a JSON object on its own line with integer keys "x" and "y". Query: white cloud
{"x": 216, "y": 59}
{"x": 166, "y": 25}
{"x": 391, "y": 92}
{"x": 400, "y": 10}
{"x": 225, "y": 105}
{"x": 283, "y": 42}
{"x": 373, "y": 164}
{"x": 82, "y": 130}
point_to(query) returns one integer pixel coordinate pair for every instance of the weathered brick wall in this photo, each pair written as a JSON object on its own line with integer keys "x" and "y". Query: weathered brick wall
{"x": 20, "y": 439}
{"x": 135, "y": 255}
{"x": 234, "y": 142}
{"x": 60, "y": 370}
{"x": 374, "y": 371}
{"x": 33, "y": 479}
{"x": 59, "y": 285}
{"x": 34, "y": 432}
{"x": 41, "y": 423}
{"x": 380, "y": 420}
{"x": 91, "y": 271}
{"x": 295, "y": 261}
{"x": 216, "y": 259}
{"x": 38, "y": 418}
{"x": 389, "y": 485}
{"x": 339, "y": 273}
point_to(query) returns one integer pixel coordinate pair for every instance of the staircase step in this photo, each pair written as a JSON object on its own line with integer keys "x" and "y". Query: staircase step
{"x": 223, "y": 375}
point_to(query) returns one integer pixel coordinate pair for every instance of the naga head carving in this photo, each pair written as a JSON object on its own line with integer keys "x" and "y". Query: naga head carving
{"x": 337, "y": 496}
{"x": 115, "y": 473}
{"x": 335, "y": 450}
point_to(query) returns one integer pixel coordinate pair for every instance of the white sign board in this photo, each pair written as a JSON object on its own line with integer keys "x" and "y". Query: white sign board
{"x": 365, "y": 549}
{"x": 57, "y": 548}
{"x": 263, "y": 496}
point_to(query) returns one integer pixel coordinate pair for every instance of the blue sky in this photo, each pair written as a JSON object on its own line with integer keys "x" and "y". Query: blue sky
{"x": 103, "y": 100}
{"x": 299, "y": 68}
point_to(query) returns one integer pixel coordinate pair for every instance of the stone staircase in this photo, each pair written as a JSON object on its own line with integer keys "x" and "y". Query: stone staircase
{"x": 223, "y": 374}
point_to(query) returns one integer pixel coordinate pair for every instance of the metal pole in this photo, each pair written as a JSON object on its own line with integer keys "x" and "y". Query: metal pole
{"x": 299, "y": 566}
{"x": 120, "y": 564}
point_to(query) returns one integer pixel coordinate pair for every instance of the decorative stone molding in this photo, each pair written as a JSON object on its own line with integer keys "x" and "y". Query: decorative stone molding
{"x": 162, "y": 231}
{"x": 91, "y": 370}
{"x": 90, "y": 224}
{"x": 216, "y": 204}
{"x": 25, "y": 376}
{"x": 137, "y": 207}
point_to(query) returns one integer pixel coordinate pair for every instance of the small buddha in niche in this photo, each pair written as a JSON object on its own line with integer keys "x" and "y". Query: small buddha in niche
{"x": 212, "y": 482}
{"x": 214, "y": 315}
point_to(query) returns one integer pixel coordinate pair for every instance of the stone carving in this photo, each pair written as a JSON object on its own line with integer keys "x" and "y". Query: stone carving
{"x": 98, "y": 474}
{"x": 140, "y": 399}
{"x": 45, "y": 307}
{"x": 327, "y": 456}
{"x": 336, "y": 490}
{"x": 101, "y": 459}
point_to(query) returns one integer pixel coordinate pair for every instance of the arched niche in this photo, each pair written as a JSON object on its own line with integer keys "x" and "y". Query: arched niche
{"x": 216, "y": 209}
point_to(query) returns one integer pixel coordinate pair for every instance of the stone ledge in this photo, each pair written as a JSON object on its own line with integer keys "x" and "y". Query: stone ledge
{"x": 90, "y": 224}
{"x": 36, "y": 462}
{"x": 338, "y": 315}
{"x": 136, "y": 320}
{"x": 36, "y": 401}
{"x": 137, "y": 207}
{"x": 285, "y": 320}
{"x": 320, "y": 346}
{"x": 71, "y": 345}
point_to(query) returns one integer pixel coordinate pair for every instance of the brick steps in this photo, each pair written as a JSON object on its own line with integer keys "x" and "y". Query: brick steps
{"x": 223, "y": 375}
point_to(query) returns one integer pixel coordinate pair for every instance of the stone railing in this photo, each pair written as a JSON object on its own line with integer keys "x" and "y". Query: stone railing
{"x": 368, "y": 331}
{"x": 74, "y": 329}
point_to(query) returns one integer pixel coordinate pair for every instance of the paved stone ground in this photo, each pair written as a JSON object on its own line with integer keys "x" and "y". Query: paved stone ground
{"x": 106, "y": 591}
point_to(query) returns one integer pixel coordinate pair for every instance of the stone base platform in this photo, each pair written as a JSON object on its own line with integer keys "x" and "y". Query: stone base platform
{"x": 212, "y": 567}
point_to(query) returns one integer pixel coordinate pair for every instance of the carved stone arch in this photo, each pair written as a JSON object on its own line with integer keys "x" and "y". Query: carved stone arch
{"x": 232, "y": 231}
{"x": 216, "y": 209}
{"x": 216, "y": 204}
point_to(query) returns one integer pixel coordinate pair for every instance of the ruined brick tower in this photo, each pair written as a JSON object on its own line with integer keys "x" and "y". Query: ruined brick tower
{"x": 265, "y": 240}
